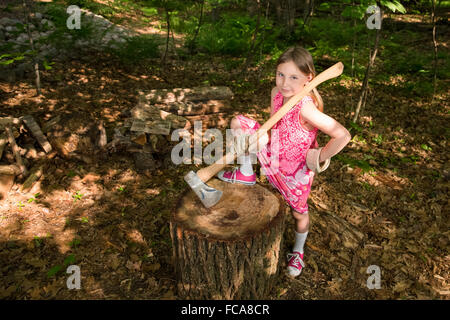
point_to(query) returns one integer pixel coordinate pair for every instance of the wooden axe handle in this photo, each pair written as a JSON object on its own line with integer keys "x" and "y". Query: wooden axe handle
{"x": 334, "y": 71}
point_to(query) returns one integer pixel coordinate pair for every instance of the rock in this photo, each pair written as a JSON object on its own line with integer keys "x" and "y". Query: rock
{"x": 8, "y": 21}
{"x": 35, "y": 35}
{"x": 38, "y": 15}
{"x": 23, "y": 37}
{"x": 2, "y": 36}
{"x": 11, "y": 28}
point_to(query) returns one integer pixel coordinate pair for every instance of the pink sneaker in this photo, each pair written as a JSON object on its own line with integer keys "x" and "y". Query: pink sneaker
{"x": 295, "y": 264}
{"x": 236, "y": 176}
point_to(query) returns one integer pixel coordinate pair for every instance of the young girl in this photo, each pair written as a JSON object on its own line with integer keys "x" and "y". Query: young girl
{"x": 293, "y": 141}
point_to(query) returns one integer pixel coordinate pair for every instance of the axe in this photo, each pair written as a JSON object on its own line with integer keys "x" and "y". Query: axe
{"x": 197, "y": 181}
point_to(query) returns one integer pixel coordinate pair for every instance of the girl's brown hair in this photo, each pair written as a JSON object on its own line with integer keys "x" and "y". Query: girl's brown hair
{"x": 304, "y": 62}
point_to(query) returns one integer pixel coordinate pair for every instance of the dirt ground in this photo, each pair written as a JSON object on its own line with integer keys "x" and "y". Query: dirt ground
{"x": 112, "y": 221}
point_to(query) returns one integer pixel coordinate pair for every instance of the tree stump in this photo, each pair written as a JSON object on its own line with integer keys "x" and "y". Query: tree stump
{"x": 229, "y": 251}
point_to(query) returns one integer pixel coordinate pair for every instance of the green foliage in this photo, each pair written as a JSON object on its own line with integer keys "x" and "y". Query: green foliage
{"x": 137, "y": 48}
{"x": 231, "y": 35}
{"x": 393, "y": 5}
{"x": 363, "y": 164}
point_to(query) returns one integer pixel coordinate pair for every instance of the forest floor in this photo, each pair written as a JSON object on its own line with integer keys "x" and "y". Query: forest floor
{"x": 113, "y": 222}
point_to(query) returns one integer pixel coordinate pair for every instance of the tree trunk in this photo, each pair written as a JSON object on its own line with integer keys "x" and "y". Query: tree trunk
{"x": 163, "y": 60}
{"x": 36, "y": 64}
{"x": 200, "y": 21}
{"x": 363, "y": 96}
{"x": 433, "y": 21}
{"x": 250, "y": 54}
{"x": 230, "y": 251}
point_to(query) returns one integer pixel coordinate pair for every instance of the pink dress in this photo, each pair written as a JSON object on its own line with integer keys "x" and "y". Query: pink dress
{"x": 284, "y": 159}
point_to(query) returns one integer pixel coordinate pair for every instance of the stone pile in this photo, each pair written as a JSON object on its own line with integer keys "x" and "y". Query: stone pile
{"x": 13, "y": 31}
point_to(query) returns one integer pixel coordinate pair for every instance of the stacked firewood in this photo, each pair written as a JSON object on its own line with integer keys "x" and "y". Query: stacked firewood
{"x": 147, "y": 133}
{"x": 15, "y": 162}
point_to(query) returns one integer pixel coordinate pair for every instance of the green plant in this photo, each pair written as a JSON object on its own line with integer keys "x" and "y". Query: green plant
{"x": 75, "y": 242}
{"x": 67, "y": 261}
{"x": 84, "y": 219}
{"x": 137, "y": 48}
{"x": 77, "y": 196}
{"x": 34, "y": 198}
{"x": 378, "y": 139}
{"x": 37, "y": 241}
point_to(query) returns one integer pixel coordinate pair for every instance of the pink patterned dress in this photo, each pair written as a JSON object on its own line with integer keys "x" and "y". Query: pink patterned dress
{"x": 284, "y": 159}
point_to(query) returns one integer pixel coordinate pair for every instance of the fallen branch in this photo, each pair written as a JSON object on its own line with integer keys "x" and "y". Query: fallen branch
{"x": 15, "y": 149}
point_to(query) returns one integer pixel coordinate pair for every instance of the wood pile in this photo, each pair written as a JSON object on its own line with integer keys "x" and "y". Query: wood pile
{"x": 15, "y": 160}
{"x": 147, "y": 132}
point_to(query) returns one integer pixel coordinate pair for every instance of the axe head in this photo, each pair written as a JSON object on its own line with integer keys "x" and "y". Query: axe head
{"x": 207, "y": 195}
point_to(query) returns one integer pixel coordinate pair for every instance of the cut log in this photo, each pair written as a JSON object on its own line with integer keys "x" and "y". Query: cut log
{"x": 16, "y": 151}
{"x": 102, "y": 140}
{"x": 195, "y": 108}
{"x": 3, "y": 142}
{"x": 146, "y": 112}
{"x": 50, "y": 123}
{"x": 9, "y": 170}
{"x": 153, "y": 127}
{"x": 35, "y": 174}
{"x": 6, "y": 183}
{"x": 229, "y": 251}
{"x": 8, "y": 121}
{"x": 216, "y": 121}
{"x": 168, "y": 96}
{"x": 37, "y": 133}
{"x": 139, "y": 137}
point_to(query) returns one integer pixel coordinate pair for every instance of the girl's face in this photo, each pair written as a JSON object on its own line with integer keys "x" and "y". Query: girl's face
{"x": 290, "y": 80}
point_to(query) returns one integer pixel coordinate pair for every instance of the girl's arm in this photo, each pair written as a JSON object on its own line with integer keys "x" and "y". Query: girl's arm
{"x": 272, "y": 95}
{"x": 339, "y": 134}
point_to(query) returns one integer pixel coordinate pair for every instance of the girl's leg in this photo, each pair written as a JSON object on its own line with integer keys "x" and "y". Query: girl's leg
{"x": 301, "y": 230}
{"x": 295, "y": 264}
{"x": 244, "y": 160}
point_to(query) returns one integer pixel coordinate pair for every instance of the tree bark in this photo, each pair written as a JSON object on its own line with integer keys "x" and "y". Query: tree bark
{"x": 363, "y": 96}
{"x": 200, "y": 21}
{"x": 433, "y": 21}
{"x": 36, "y": 64}
{"x": 230, "y": 251}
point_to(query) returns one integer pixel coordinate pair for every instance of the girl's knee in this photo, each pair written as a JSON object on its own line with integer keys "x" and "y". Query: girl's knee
{"x": 235, "y": 124}
{"x": 300, "y": 216}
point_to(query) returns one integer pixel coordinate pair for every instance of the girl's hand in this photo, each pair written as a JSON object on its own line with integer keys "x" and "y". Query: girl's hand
{"x": 312, "y": 161}
{"x": 339, "y": 135}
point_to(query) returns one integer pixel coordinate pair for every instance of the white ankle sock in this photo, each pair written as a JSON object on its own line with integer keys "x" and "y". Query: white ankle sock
{"x": 300, "y": 239}
{"x": 246, "y": 167}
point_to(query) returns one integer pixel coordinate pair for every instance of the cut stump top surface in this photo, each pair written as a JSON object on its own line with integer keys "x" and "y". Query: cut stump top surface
{"x": 241, "y": 212}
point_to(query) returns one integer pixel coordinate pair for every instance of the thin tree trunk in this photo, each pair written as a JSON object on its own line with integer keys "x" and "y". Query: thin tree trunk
{"x": 168, "y": 35}
{"x": 308, "y": 12}
{"x": 363, "y": 96}
{"x": 36, "y": 63}
{"x": 353, "y": 58}
{"x": 200, "y": 21}
{"x": 248, "y": 59}
{"x": 262, "y": 39}
{"x": 433, "y": 21}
